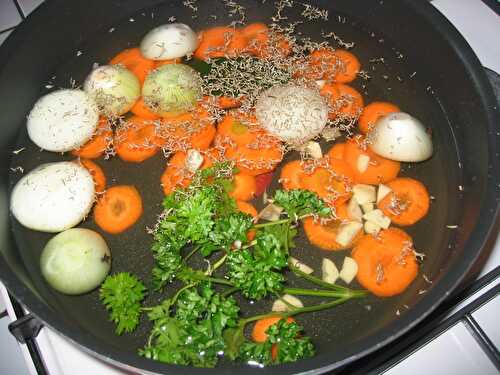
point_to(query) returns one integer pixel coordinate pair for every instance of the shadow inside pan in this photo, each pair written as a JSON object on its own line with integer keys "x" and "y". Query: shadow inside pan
{"x": 392, "y": 78}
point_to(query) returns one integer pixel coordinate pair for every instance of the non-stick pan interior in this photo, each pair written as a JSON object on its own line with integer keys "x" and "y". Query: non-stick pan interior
{"x": 397, "y": 73}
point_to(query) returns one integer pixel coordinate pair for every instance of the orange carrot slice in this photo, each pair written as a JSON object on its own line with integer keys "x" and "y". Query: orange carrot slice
{"x": 291, "y": 175}
{"x": 325, "y": 235}
{"x": 118, "y": 209}
{"x": 407, "y": 203}
{"x": 244, "y": 187}
{"x": 344, "y": 100}
{"x": 177, "y": 174}
{"x": 97, "y": 174}
{"x": 98, "y": 144}
{"x": 338, "y": 66}
{"x": 379, "y": 170}
{"x": 140, "y": 109}
{"x": 186, "y": 131}
{"x": 337, "y": 151}
{"x": 220, "y": 42}
{"x": 133, "y": 60}
{"x": 372, "y": 112}
{"x": 259, "y": 329}
{"x": 135, "y": 140}
{"x": 386, "y": 263}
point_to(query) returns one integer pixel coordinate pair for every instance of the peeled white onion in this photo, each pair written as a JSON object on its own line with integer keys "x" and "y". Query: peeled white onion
{"x": 75, "y": 261}
{"x": 401, "y": 137}
{"x": 53, "y": 197}
{"x": 296, "y": 114}
{"x": 114, "y": 88}
{"x": 169, "y": 41}
{"x": 62, "y": 120}
{"x": 172, "y": 88}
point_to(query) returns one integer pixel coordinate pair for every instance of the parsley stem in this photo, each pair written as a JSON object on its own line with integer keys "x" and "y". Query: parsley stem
{"x": 316, "y": 280}
{"x": 191, "y": 253}
{"x": 269, "y": 223}
{"x": 317, "y": 293}
{"x": 201, "y": 277}
{"x": 229, "y": 292}
{"x": 302, "y": 310}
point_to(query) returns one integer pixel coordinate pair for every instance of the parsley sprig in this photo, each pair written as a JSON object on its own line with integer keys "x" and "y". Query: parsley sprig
{"x": 201, "y": 319}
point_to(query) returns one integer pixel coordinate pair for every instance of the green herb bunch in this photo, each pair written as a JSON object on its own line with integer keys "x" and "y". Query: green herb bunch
{"x": 201, "y": 320}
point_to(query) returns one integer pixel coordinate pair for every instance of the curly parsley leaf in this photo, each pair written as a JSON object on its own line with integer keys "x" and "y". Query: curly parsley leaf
{"x": 122, "y": 295}
{"x": 254, "y": 277}
{"x": 290, "y": 344}
{"x": 299, "y": 202}
{"x": 194, "y": 335}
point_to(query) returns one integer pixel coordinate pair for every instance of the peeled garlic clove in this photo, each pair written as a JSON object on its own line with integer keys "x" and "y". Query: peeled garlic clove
{"x": 401, "y": 137}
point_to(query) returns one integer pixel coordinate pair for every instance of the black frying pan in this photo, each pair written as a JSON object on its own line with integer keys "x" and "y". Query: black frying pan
{"x": 429, "y": 71}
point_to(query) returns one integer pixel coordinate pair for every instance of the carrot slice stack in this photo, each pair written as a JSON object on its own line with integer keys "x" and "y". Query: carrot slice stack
{"x": 344, "y": 100}
{"x": 118, "y": 209}
{"x": 386, "y": 263}
{"x": 339, "y": 65}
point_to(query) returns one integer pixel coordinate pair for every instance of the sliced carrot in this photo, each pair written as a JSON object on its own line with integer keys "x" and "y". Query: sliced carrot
{"x": 239, "y": 128}
{"x": 177, "y": 174}
{"x": 380, "y": 170}
{"x": 140, "y": 109}
{"x": 372, "y": 112}
{"x": 135, "y": 140}
{"x": 248, "y": 209}
{"x": 262, "y": 156}
{"x": 262, "y": 43}
{"x": 386, "y": 263}
{"x": 118, "y": 209}
{"x": 188, "y": 130}
{"x": 133, "y": 60}
{"x": 98, "y": 144}
{"x": 97, "y": 174}
{"x": 344, "y": 101}
{"x": 291, "y": 175}
{"x": 325, "y": 235}
{"x": 332, "y": 184}
{"x": 262, "y": 325}
{"x": 227, "y": 102}
{"x": 220, "y": 42}
{"x": 407, "y": 203}
{"x": 254, "y": 150}
{"x": 338, "y": 66}
{"x": 337, "y": 151}
{"x": 244, "y": 187}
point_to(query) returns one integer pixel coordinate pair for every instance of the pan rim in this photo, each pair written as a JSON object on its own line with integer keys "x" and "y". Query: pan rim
{"x": 481, "y": 233}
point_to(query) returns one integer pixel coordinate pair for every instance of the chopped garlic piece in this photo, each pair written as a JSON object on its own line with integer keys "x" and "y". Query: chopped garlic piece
{"x": 382, "y": 191}
{"x": 301, "y": 266}
{"x": 367, "y": 207}
{"x": 282, "y": 304}
{"x": 349, "y": 270}
{"x": 364, "y": 193}
{"x": 378, "y": 217}
{"x": 271, "y": 212}
{"x": 371, "y": 228}
{"x": 353, "y": 210}
{"x": 347, "y": 232}
{"x": 329, "y": 271}
{"x": 362, "y": 163}
{"x": 194, "y": 160}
